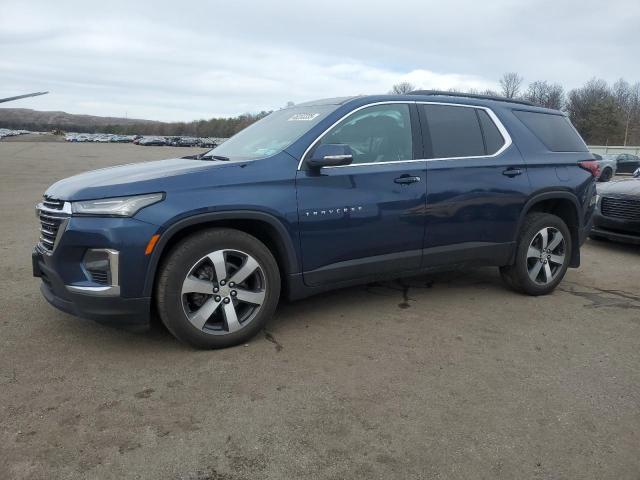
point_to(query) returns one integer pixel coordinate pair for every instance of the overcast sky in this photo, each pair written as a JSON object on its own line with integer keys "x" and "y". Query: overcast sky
{"x": 182, "y": 60}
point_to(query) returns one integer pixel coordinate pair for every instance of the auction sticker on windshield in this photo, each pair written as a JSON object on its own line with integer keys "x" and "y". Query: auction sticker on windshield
{"x": 303, "y": 117}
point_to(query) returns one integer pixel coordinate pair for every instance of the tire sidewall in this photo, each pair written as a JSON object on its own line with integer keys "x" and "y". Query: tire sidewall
{"x": 539, "y": 222}
{"x": 182, "y": 258}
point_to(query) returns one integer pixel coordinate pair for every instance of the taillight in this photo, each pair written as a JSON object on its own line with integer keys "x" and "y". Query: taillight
{"x": 591, "y": 166}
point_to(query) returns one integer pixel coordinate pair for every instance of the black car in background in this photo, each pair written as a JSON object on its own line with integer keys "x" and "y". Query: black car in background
{"x": 617, "y": 215}
{"x": 627, "y": 163}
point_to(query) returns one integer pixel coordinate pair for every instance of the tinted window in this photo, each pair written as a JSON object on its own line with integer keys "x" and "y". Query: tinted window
{"x": 454, "y": 131}
{"x": 555, "y": 131}
{"x": 492, "y": 138}
{"x": 381, "y": 133}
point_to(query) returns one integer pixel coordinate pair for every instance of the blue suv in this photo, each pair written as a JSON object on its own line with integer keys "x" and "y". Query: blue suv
{"x": 314, "y": 197}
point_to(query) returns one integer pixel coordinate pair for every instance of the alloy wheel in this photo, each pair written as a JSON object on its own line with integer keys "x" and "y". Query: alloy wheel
{"x": 546, "y": 255}
{"x": 223, "y": 292}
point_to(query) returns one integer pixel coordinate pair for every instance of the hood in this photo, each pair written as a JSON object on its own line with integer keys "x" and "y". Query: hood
{"x": 628, "y": 186}
{"x": 133, "y": 179}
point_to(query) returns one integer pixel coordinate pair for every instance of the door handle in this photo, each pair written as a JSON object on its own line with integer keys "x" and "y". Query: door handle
{"x": 406, "y": 179}
{"x": 512, "y": 172}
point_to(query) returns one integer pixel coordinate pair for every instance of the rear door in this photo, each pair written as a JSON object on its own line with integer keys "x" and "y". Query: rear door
{"x": 367, "y": 218}
{"x": 477, "y": 185}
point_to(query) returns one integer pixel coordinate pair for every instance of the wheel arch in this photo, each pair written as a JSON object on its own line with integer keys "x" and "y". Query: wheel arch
{"x": 265, "y": 227}
{"x": 564, "y": 205}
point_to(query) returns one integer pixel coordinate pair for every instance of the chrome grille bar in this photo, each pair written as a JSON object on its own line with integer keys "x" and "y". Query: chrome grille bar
{"x": 53, "y": 215}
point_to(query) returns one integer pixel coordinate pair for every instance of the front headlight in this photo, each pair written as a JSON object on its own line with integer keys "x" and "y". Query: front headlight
{"x": 118, "y": 206}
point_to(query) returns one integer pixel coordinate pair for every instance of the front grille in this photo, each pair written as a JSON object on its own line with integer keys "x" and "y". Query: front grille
{"x": 52, "y": 214}
{"x": 623, "y": 208}
{"x": 53, "y": 203}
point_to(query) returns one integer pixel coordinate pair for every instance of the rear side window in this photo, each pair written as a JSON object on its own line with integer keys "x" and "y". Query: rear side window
{"x": 492, "y": 137}
{"x": 555, "y": 131}
{"x": 454, "y": 131}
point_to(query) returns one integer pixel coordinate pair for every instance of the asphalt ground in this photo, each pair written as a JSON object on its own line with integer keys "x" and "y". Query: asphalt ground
{"x": 445, "y": 376}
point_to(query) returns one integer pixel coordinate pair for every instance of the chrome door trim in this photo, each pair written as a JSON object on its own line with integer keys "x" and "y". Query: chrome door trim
{"x": 501, "y": 128}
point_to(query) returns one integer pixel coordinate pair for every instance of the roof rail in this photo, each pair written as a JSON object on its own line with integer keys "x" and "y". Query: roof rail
{"x": 444, "y": 93}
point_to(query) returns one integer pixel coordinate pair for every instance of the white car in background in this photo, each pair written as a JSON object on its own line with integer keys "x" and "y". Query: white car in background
{"x": 608, "y": 166}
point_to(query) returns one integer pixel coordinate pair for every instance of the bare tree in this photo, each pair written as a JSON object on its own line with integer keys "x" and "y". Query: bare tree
{"x": 402, "y": 88}
{"x": 594, "y": 112}
{"x": 628, "y": 101}
{"x": 545, "y": 94}
{"x": 510, "y": 83}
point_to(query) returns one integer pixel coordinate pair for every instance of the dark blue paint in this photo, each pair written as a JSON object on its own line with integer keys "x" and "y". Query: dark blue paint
{"x": 356, "y": 218}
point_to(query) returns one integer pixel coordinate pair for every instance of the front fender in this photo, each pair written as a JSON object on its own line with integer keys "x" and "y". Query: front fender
{"x": 292, "y": 263}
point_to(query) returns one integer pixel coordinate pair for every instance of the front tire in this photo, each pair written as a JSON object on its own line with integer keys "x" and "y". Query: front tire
{"x": 217, "y": 288}
{"x": 543, "y": 252}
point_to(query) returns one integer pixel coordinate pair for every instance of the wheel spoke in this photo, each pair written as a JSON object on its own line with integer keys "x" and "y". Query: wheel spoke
{"x": 219, "y": 264}
{"x": 231, "y": 317}
{"x": 200, "y": 316}
{"x": 559, "y": 259}
{"x": 547, "y": 273}
{"x": 250, "y": 266}
{"x": 557, "y": 240}
{"x": 250, "y": 297}
{"x": 544, "y": 234}
{"x": 533, "y": 252}
{"x": 535, "y": 271}
{"x": 196, "y": 285}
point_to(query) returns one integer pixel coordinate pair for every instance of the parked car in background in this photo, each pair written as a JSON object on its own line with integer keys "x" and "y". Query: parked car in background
{"x": 208, "y": 142}
{"x": 626, "y": 162}
{"x": 188, "y": 142}
{"x": 122, "y": 139}
{"x": 315, "y": 197}
{"x": 608, "y": 167}
{"x": 617, "y": 215}
{"x": 148, "y": 141}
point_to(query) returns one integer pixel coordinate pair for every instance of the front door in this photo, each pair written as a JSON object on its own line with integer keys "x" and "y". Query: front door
{"x": 367, "y": 218}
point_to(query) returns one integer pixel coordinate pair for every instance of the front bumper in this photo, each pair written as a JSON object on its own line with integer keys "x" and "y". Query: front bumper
{"x": 68, "y": 286}
{"x": 618, "y": 230}
{"x": 130, "y": 313}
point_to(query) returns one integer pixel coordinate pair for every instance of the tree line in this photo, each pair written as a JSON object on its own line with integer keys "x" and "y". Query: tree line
{"x": 214, "y": 127}
{"x": 603, "y": 114}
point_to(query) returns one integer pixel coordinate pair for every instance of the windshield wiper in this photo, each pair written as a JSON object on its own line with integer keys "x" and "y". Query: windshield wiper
{"x": 215, "y": 157}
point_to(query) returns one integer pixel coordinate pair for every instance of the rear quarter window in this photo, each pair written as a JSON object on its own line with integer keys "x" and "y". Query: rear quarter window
{"x": 554, "y": 131}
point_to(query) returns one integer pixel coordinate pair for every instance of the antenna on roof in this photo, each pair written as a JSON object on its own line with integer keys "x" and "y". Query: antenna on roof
{"x": 469, "y": 95}
{"x": 27, "y": 95}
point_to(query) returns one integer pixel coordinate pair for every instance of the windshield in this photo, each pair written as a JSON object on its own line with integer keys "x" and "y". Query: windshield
{"x": 272, "y": 134}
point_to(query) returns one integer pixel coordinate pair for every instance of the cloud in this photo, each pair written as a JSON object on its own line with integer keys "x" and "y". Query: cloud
{"x": 161, "y": 60}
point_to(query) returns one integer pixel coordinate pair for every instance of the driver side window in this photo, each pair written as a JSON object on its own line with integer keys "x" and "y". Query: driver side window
{"x": 381, "y": 133}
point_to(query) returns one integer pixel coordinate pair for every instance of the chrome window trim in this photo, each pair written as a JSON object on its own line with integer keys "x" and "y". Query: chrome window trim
{"x": 494, "y": 118}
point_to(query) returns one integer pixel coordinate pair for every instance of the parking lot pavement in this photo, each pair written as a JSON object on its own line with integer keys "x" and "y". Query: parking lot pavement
{"x": 447, "y": 376}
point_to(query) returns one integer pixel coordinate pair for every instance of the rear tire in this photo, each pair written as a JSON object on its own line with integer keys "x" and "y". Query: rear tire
{"x": 606, "y": 175}
{"x": 217, "y": 288}
{"x": 543, "y": 252}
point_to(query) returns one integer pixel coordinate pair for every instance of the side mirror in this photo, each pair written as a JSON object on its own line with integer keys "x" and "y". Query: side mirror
{"x": 330, "y": 155}
{"x": 636, "y": 174}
